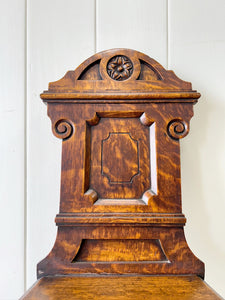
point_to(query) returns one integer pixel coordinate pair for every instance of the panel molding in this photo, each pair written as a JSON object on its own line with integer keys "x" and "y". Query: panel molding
{"x": 125, "y": 250}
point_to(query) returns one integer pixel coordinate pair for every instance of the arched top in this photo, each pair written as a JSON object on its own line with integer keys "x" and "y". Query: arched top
{"x": 119, "y": 74}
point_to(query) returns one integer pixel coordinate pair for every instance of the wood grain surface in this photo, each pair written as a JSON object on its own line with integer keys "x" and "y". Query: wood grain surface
{"x": 120, "y": 116}
{"x": 122, "y": 287}
{"x": 99, "y": 78}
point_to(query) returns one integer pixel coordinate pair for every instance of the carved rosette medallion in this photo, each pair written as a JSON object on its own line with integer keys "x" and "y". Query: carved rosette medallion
{"x": 119, "y": 67}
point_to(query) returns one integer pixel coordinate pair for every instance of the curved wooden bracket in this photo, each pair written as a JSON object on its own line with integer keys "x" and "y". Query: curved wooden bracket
{"x": 177, "y": 128}
{"x": 63, "y": 129}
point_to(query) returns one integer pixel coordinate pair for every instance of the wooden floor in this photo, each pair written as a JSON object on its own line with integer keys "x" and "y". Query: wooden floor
{"x": 121, "y": 287}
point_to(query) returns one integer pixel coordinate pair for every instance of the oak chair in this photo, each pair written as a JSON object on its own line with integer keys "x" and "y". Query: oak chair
{"x": 120, "y": 116}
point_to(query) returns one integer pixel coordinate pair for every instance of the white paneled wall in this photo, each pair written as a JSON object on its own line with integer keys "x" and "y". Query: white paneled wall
{"x": 41, "y": 40}
{"x": 139, "y": 25}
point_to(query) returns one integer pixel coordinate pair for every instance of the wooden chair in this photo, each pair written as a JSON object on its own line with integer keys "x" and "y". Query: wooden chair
{"x": 120, "y": 116}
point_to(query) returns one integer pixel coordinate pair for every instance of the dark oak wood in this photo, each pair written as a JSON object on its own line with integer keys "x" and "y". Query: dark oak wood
{"x": 120, "y": 116}
{"x": 123, "y": 287}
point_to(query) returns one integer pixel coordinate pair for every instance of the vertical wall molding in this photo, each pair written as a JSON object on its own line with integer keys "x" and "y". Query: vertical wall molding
{"x": 25, "y": 146}
{"x": 95, "y": 20}
{"x": 168, "y": 35}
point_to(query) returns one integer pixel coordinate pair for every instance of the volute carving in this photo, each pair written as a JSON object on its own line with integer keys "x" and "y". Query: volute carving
{"x": 177, "y": 128}
{"x": 63, "y": 129}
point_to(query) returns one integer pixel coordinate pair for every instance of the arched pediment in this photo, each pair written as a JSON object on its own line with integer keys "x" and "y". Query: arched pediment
{"x": 120, "y": 74}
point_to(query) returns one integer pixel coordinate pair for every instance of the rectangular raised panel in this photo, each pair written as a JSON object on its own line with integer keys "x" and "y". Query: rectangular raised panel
{"x": 120, "y": 251}
{"x": 120, "y": 159}
{"x": 123, "y": 152}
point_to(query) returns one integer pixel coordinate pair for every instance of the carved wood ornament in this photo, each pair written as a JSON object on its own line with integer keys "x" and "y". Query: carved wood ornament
{"x": 120, "y": 116}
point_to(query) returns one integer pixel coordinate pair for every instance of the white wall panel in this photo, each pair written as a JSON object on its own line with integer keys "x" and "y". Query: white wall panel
{"x": 139, "y": 25}
{"x": 12, "y": 105}
{"x": 60, "y": 36}
{"x": 197, "y": 54}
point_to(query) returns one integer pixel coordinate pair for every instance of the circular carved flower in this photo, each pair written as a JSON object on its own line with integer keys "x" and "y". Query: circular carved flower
{"x": 120, "y": 67}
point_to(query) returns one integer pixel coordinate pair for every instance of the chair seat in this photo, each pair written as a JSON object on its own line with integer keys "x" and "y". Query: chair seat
{"x": 121, "y": 287}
